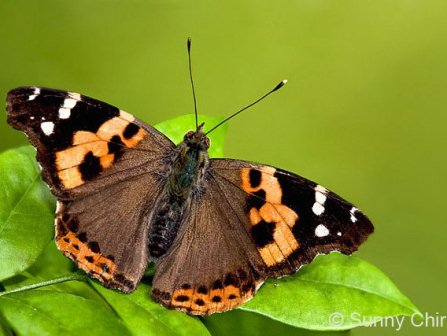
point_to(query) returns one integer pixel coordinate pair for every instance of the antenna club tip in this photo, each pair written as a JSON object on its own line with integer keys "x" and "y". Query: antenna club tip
{"x": 280, "y": 85}
{"x": 188, "y": 43}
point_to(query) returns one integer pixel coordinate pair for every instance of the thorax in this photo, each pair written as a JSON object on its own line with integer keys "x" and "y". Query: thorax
{"x": 187, "y": 171}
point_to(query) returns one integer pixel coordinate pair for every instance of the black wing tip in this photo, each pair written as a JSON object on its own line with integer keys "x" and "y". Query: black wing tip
{"x": 14, "y": 98}
{"x": 25, "y": 90}
{"x": 20, "y": 91}
{"x": 365, "y": 223}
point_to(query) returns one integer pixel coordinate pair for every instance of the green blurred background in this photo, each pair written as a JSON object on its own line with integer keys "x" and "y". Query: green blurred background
{"x": 364, "y": 112}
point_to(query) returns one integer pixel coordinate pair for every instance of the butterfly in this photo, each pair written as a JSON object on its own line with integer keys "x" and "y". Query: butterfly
{"x": 214, "y": 228}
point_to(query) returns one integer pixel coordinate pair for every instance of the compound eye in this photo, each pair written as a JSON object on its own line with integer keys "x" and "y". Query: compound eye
{"x": 207, "y": 142}
{"x": 188, "y": 135}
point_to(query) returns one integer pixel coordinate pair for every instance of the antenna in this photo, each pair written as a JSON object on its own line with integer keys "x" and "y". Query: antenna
{"x": 192, "y": 82}
{"x": 277, "y": 87}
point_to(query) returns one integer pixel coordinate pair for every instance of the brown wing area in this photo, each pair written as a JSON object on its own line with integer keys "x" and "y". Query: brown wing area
{"x": 209, "y": 268}
{"x": 83, "y": 144}
{"x": 289, "y": 218}
{"x": 105, "y": 233}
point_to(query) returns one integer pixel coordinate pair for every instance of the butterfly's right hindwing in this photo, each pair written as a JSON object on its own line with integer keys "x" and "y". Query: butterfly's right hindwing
{"x": 208, "y": 268}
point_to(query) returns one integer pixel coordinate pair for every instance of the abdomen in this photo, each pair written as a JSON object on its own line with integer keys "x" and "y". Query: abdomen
{"x": 165, "y": 224}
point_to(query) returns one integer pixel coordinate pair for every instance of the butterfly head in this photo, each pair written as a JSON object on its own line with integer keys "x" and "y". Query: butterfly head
{"x": 197, "y": 139}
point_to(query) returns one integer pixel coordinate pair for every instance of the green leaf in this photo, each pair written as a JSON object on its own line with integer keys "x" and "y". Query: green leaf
{"x": 5, "y": 330}
{"x": 52, "y": 264}
{"x": 240, "y": 322}
{"x": 335, "y": 283}
{"x": 39, "y": 312}
{"x": 176, "y": 128}
{"x": 142, "y": 316}
{"x": 26, "y": 211}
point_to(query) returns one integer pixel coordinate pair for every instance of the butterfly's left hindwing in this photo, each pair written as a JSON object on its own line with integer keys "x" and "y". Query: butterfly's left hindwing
{"x": 290, "y": 218}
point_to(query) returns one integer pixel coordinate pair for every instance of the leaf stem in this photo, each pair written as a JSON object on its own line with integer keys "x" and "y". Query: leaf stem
{"x": 71, "y": 277}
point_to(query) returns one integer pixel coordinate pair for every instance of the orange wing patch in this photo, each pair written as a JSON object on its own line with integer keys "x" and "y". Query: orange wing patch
{"x": 216, "y": 300}
{"x": 271, "y": 221}
{"x": 218, "y": 297}
{"x": 96, "y": 145}
{"x": 95, "y": 264}
{"x": 87, "y": 253}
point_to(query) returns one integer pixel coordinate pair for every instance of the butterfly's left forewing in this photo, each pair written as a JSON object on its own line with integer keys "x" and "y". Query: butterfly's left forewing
{"x": 83, "y": 144}
{"x": 290, "y": 218}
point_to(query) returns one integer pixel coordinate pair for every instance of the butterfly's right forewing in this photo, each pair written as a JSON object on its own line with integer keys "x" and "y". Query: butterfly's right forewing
{"x": 290, "y": 219}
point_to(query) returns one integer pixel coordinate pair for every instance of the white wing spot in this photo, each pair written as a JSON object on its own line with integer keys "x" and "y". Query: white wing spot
{"x": 339, "y": 233}
{"x": 320, "y": 199}
{"x": 36, "y": 92}
{"x": 321, "y": 189}
{"x": 32, "y": 117}
{"x": 74, "y": 95}
{"x": 64, "y": 113}
{"x": 317, "y": 208}
{"x": 321, "y": 231}
{"x": 47, "y": 127}
{"x": 69, "y": 103}
{"x": 353, "y": 211}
